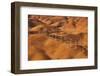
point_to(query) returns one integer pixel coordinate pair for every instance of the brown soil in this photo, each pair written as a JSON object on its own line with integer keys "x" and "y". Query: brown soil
{"x": 57, "y": 37}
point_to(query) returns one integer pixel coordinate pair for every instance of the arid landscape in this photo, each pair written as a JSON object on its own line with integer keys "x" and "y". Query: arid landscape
{"x": 57, "y": 37}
